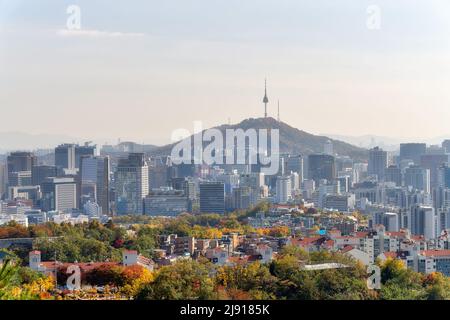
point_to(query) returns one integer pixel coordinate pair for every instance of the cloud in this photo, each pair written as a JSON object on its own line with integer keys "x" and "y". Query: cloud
{"x": 96, "y": 33}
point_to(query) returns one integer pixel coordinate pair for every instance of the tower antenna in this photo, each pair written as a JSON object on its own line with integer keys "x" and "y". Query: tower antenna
{"x": 278, "y": 111}
{"x": 265, "y": 100}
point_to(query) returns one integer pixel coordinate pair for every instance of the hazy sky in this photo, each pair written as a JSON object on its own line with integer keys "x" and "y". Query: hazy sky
{"x": 140, "y": 69}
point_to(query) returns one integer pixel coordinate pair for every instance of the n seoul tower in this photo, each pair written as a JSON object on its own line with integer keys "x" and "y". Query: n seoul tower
{"x": 265, "y": 100}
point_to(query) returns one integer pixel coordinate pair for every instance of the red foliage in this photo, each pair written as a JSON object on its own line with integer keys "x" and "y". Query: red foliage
{"x": 118, "y": 243}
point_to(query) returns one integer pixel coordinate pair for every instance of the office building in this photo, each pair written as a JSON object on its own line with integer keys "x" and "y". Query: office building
{"x": 40, "y": 173}
{"x": 242, "y": 198}
{"x": 283, "y": 189}
{"x": 412, "y": 151}
{"x": 423, "y": 221}
{"x": 94, "y": 179}
{"x": 186, "y": 185}
{"x": 59, "y": 194}
{"x": 83, "y": 151}
{"x": 19, "y": 165}
{"x": 393, "y": 174}
{"x": 344, "y": 184}
{"x": 158, "y": 171}
{"x": 444, "y": 176}
{"x": 131, "y": 184}
{"x": 295, "y": 164}
{"x": 341, "y": 203}
{"x": 166, "y": 202}
{"x": 21, "y": 161}
{"x": 328, "y": 148}
{"x": 3, "y": 179}
{"x": 378, "y": 163}
{"x": 212, "y": 197}
{"x": 433, "y": 162}
{"x": 321, "y": 166}
{"x": 418, "y": 178}
{"x": 230, "y": 180}
{"x": 65, "y": 158}
{"x": 446, "y": 146}
{"x": 19, "y": 179}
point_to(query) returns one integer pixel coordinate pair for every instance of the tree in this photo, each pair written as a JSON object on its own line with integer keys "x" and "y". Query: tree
{"x": 185, "y": 280}
{"x": 392, "y": 268}
{"x": 255, "y": 279}
{"x": 133, "y": 279}
{"x": 437, "y": 286}
{"x": 10, "y": 286}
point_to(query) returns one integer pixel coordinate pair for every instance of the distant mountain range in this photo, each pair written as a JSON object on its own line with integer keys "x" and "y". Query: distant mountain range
{"x": 12, "y": 141}
{"x": 292, "y": 140}
{"x": 387, "y": 143}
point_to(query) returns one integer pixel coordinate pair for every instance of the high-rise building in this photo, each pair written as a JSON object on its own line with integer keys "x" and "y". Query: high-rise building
{"x": 295, "y": 164}
{"x": 378, "y": 162}
{"x": 19, "y": 165}
{"x": 321, "y": 166}
{"x": 19, "y": 179}
{"x": 40, "y": 173}
{"x": 393, "y": 174}
{"x": 255, "y": 181}
{"x": 3, "y": 178}
{"x": 328, "y": 148}
{"x": 295, "y": 181}
{"x": 65, "y": 157}
{"x": 186, "y": 185}
{"x": 444, "y": 176}
{"x": 94, "y": 179}
{"x": 158, "y": 173}
{"x": 283, "y": 189}
{"x": 82, "y": 151}
{"x": 242, "y": 198}
{"x": 412, "y": 151}
{"x": 212, "y": 197}
{"x": 433, "y": 162}
{"x": 391, "y": 221}
{"x": 231, "y": 181}
{"x": 423, "y": 221}
{"x": 344, "y": 184}
{"x": 441, "y": 198}
{"x": 446, "y": 145}
{"x": 59, "y": 194}
{"x": 21, "y": 161}
{"x": 418, "y": 178}
{"x": 131, "y": 184}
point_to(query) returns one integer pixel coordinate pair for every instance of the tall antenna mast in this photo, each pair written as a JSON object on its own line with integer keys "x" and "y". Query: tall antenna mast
{"x": 265, "y": 100}
{"x": 278, "y": 111}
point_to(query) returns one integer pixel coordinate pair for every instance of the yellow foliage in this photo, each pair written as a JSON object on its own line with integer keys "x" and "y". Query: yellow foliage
{"x": 40, "y": 285}
{"x": 131, "y": 288}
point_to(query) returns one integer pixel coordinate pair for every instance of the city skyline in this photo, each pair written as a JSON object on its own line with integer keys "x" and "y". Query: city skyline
{"x": 319, "y": 59}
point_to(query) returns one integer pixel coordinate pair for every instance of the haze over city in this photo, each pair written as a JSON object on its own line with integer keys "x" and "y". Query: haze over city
{"x": 138, "y": 71}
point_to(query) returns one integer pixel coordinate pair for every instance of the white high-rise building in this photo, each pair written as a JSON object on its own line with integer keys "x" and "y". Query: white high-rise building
{"x": 295, "y": 181}
{"x": 283, "y": 189}
{"x": 423, "y": 221}
{"x": 59, "y": 194}
{"x": 391, "y": 221}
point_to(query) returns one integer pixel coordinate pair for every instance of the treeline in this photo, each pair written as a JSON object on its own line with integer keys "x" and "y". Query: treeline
{"x": 85, "y": 242}
{"x": 285, "y": 278}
